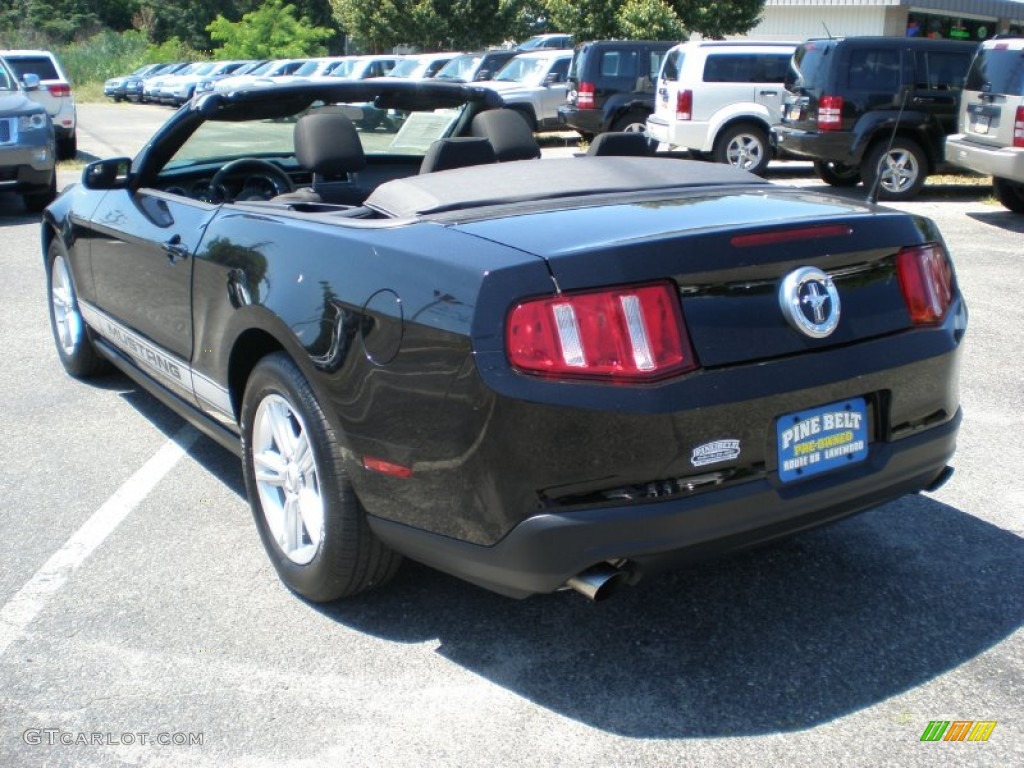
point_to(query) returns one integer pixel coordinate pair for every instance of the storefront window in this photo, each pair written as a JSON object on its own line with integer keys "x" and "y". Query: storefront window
{"x": 949, "y": 27}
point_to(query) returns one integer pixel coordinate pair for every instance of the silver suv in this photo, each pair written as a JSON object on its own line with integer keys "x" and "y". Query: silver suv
{"x": 991, "y": 138}
{"x": 719, "y": 99}
{"x": 54, "y": 94}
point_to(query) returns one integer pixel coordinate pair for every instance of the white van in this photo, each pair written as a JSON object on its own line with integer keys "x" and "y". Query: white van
{"x": 719, "y": 99}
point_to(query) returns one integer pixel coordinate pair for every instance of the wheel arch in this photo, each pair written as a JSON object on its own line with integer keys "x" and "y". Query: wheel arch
{"x": 755, "y": 120}
{"x": 249, "y": 348}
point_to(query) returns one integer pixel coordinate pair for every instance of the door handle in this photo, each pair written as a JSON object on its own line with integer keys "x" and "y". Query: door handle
{"x": 176, "y": 250}
{"x": 769, "y": 93}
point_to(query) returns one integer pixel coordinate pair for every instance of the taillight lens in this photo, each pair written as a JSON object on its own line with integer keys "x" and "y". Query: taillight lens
{"x": 622, "y": 334}
{"x": 59, "y": 89}
{"x": 926, "y": 279}
{"x": 585, "y": 96}
{"x": 684, "y": 105}
{"x": 830, "y": 113}
{"x": 1018, "y": 128}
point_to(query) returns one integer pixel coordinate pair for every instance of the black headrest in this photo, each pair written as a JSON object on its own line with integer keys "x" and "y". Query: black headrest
{"x": 327, "y": 143}
{"x": 633, "y": 143}
{"x": 508, "y": 133}
{"x": 444, "y": 154}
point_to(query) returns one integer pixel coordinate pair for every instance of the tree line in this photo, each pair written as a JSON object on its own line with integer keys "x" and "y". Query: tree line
{"x": 277, "y": 28}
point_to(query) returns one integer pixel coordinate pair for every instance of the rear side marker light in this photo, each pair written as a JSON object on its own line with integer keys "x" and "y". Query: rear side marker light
{"x": 830, "y": 113}
{"x": 622, "y": 334}
{"x": 684, "y": 105}
{"x": 386, "y": 467}
{"x": 926, "y": 280}
{"x": 1018, "y": 128}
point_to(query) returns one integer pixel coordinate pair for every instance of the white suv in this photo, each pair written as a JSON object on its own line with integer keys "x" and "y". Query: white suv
{"x": 719, "y": 99}
{"x": 54, "y": 93}
{"x": 991, "y": 138}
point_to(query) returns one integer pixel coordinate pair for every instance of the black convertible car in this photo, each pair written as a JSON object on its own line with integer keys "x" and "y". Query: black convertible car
{"x": 424, "y": 341}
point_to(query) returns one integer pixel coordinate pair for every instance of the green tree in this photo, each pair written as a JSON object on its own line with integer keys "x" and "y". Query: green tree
{"x": 715, "y": 20}
{"x": 649, "y": 20}
{"x": 584, "y": 19}
{"x": 270, "y": 32}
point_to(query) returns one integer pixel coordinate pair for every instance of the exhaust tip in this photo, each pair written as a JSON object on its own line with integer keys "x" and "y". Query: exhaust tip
{"x": 598, "y": 582}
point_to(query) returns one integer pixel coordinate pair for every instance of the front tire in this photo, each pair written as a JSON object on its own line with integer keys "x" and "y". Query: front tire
{"x": 837, "y": 174}
{"x": 36, "y": 201}
{"x": 1009, "y": 193}
{"x": 70, "y": 333}
{"x": 900, "y": 169}
{"x": 744, "y": 146}
{"x": 312, "y": 525}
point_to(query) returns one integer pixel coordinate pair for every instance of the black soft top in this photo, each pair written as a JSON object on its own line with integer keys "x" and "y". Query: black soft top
{"x": 522, "y": 181}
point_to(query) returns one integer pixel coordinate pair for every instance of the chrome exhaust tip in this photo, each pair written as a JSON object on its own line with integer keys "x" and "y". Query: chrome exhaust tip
{"x": 598, "y": 582}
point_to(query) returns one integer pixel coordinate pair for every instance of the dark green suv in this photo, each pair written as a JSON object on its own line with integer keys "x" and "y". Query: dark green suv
{"x": 875, "y": 109}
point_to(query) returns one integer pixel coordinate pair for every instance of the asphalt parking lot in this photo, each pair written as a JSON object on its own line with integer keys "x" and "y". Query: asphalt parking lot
{"x": 141, "y": 623}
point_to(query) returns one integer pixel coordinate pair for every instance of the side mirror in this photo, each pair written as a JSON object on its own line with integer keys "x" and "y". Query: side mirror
{"x": 107, "y": 174}
{"x": 30, "y": 82}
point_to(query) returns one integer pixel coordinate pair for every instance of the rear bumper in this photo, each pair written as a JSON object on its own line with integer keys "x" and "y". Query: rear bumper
{"x": 681, "y": 133}
{"x": 1002, "y": 162}
{"x": 544, "y": 551}
{"x": 826, "y": 146}
{"x": 585, "y": 121}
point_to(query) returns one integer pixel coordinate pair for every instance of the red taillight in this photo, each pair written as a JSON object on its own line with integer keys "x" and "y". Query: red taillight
{"x": 830, "y": 113}
{"x": 1018, "y": 128}
{"x": 684, "y": 105}
{"x": 59, "y": 89}
{"x": 623, "y": 334}
{"x": 926, "y": 279}
{"x": 585, "y": 96}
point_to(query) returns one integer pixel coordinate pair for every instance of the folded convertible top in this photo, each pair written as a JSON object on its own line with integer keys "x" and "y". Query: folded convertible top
{"x": 508, "y": 183}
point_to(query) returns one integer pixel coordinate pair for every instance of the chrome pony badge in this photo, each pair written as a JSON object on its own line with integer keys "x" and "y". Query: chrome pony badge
{"x": 810, "y": 302}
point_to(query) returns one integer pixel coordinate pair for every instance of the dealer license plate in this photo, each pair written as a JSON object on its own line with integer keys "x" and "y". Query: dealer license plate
{"x": 822, "y": 439}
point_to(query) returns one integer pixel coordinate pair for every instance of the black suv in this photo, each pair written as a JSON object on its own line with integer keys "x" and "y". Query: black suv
{"x": 611, "y": 85}
{"x": 873, "y": 109}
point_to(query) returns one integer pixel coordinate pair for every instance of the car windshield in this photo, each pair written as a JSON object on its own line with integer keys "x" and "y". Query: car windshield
{"x": 308, "y": 68}
{"x": 380, "y": 131}
{"x": 520, "y": 70}
{"x": 460, "y": 68}
{"x": 405, "y": 68}
{"x": 347, "y": 68}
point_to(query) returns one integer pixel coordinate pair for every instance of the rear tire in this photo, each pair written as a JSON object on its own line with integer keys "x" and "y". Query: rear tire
{"x": 1009, "y": 193}
{"x": 631, "y": 122}
{"x": 70, "y": 333}
{"x": 903, "y": 168}
{"x": 312, "y": 525}
{"x": 744, "y": 146}
{"x": 837, "y": 174}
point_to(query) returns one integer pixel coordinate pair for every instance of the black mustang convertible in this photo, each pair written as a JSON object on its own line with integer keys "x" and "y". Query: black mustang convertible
{"x": 425, "y": 341}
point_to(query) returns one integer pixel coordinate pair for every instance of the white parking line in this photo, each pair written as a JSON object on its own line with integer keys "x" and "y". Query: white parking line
{"x": 30, "y": 600}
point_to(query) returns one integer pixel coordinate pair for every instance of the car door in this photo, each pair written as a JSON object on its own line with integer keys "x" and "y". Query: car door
{"x": 769, "y": 74}
{"x": 142, "y": 248}
{"x": 556, "y": 88}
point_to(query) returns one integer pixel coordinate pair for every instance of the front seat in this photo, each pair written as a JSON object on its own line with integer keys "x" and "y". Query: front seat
{"x": 508, "y": 133}
{"x": 632, "y": 143}
{"x": 327, "y": 144}
{"x": 458, "y": 152}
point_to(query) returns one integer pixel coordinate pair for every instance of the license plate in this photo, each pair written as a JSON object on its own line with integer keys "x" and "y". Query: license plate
{"x": 980, "y": 123}
{"x": 822, "y": 439}
{"x": 793, "y": 112}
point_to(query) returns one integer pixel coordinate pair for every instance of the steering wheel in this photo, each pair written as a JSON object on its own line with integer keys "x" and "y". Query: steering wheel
{"x": 254, "y": 171}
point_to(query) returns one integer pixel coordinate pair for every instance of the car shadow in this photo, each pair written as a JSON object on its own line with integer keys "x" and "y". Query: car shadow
{"x": 1004, "y": 219}
{"x": 772, "y": 640}
{"x": 13, "y": 212}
